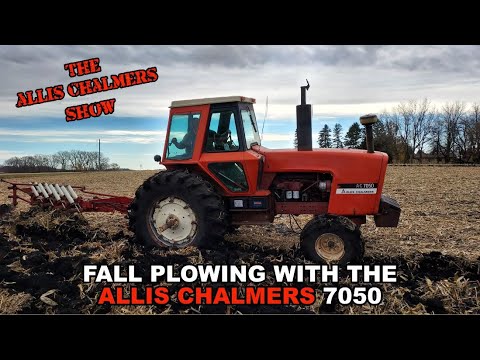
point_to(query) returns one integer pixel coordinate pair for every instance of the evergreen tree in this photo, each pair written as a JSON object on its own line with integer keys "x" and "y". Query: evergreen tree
{"x": 382, "y": 140}
{"x": 363, "y": 140}
{"x": 295, "y": 140}
{"x": 353, "y": 136}
{"x": 324, "y": 138}
{"x": 337, "y": 141}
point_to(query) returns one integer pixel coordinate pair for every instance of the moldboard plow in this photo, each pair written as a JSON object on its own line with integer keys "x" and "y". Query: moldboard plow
{"x": 65, "y": 197}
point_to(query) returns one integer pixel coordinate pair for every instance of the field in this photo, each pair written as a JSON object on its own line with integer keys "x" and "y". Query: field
{"x": 436, "y": 248}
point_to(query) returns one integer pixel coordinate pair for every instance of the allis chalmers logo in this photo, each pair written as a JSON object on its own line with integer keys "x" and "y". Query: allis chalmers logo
{"x": 357, "y": 189}
{"x": 87, "y": 87}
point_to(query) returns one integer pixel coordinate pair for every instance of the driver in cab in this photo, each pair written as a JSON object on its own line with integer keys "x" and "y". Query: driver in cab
{"x": 188, "y": 140}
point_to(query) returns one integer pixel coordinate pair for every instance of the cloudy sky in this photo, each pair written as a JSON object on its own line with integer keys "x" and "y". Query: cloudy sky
{"x": 346, "y": 82}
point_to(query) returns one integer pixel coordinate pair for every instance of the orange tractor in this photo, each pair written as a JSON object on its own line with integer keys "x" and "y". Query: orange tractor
{"x": 218, "y": 176}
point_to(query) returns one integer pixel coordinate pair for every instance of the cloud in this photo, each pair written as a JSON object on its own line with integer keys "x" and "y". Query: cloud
{"x": 79, "y": 136}
{"x": 277, "y": 137}
{"x": 7, "y": 154}
{"x": 108, "y": 140}
{"x": 410, "y": 57}
{"x": 57, "y": 133}
{"x": 339, "y": 75}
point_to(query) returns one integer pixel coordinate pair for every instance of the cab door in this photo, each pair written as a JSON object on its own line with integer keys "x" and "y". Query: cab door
{"x": 225, "y": 155}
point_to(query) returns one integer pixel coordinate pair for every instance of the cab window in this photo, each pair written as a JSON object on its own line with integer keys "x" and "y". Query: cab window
{"x": 231, "y": 174}
{"x": 222, "y": 132}
{"x": 182, "y": 137}
{"x": 250, "y": 128}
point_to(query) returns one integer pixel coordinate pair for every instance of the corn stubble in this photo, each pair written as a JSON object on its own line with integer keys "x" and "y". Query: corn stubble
{"x": 436, "y": 248}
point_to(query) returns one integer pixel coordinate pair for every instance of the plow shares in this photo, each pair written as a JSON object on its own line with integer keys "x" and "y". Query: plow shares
{"x": 66, "y": 197}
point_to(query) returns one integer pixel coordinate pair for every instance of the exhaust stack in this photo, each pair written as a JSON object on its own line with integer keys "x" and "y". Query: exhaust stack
{"x": 304, "y": 121}
{"x": 368, "y": 121}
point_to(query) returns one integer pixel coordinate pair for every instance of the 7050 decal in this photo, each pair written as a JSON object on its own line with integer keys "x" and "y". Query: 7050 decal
{"x": 357, "y": 188}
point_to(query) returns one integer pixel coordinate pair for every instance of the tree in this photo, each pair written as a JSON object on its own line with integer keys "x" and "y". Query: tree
{"x": 467, "y": 142}
{"x": 295, "y": 140}
{"x": 63, "y": 158}
{"x": 104, "y": 162}
{"x": 53, "y": 161}
{"x": 414, "y": 120}
{"x": 14, "y": 162}
{"x": 363, "y": 138}
{"x": 91, "y": 160}
{"x": 475, "y": 132}
{"x": 74, "y": 159}
{"x": 463, "y": 139}
{"x": 384, "y": 137}
{"x": 324, "y": 138}
{"x": 450, "y": 118}
{"x": 28, "y": 163}
{"x": 337, "y": 141}
{"x": 435, "y": 140}
{"x": 353, "y": 136}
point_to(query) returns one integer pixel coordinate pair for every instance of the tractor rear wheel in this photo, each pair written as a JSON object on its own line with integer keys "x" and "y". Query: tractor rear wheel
{"x": 177, "y": 209}
{"x": 332, "y": 240}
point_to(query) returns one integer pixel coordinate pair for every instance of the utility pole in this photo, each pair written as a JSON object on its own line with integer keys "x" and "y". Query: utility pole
{"x": 99, "y": 163}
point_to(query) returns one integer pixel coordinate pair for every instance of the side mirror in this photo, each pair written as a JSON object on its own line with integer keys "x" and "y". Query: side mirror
{"x": 157, "y": 158}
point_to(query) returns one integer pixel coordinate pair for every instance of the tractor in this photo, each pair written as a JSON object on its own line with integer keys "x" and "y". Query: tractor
{"x": 218, "y": 176}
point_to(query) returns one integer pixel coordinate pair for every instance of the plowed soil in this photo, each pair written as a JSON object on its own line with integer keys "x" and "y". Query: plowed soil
{"x": 436, "y": 248}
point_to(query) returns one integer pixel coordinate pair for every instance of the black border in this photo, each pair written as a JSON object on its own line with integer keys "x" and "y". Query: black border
{"x": 276, "y": 23}
{"x": 394, "y": 331}
{"x": 350, "y": 24}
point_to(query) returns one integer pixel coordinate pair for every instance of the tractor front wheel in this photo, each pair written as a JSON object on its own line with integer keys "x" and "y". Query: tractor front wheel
{"x": 176, "y": 209}
{"x": 334, "y": 240}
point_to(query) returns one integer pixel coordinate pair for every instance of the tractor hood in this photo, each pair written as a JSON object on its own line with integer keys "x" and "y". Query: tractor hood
{"x": 345, "y": 165}
{"x": 352, "y": 172}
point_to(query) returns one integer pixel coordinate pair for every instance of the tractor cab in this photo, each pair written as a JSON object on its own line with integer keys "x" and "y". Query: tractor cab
{"x": 215, "y": 136}
{"x": 212, "y": 125}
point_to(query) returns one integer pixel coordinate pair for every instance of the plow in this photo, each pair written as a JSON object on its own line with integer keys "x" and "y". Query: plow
{"x": 65, "y": 198}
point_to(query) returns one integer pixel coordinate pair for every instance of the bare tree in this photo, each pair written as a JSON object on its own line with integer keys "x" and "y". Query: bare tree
{"x": 463, "y": 139}
{"x": 104, "y": 162}
{"x": 83, "y": 160}
{"x": 64, "y": 159}
{"x": 475, "y": 132}
{"x": 403, "y": 126}
{"x": 74, "y": 159}
{"x": 92, "y": 160}
{"x": 14, "y": 162}
{"x": 40, "y": 162}
{"x": 28, "y": 163}
{"x": 53, "y": 161}
{"x": 435, "y": 138}
{"x": 414, "y": 120}
{"x": 451, "y": 115}
{"x": 114, "y": 166}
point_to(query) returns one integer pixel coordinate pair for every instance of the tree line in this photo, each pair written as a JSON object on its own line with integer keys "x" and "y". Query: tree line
{"x": 75, "y": 160}
{"x": 416, "y": 131}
